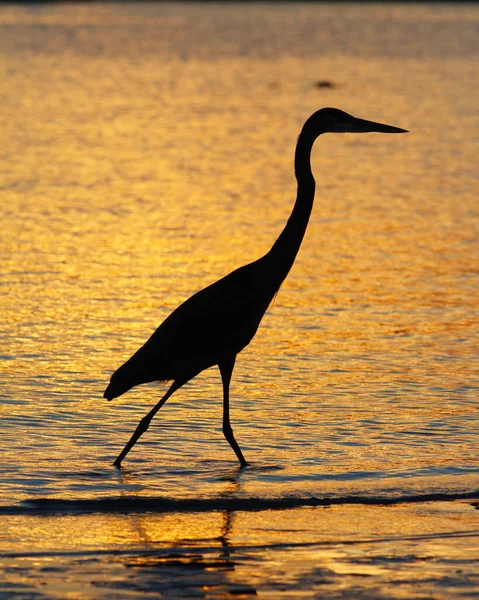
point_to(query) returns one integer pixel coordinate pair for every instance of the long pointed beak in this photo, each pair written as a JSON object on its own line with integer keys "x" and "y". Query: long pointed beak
{"x": 363, "y": 126}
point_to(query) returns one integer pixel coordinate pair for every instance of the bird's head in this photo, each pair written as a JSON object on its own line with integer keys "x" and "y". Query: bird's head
{"x": 333, "y": 120}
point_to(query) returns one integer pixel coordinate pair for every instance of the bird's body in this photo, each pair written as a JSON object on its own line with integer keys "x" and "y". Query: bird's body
{"x": 216, "y": 323}
{"x": 218, "y": 320}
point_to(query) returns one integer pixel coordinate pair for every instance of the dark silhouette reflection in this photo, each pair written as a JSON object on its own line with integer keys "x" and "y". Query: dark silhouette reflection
{"x": 216, "y": 323}
{"x": 184, "y": 567}
{"x": 229, "y": 515}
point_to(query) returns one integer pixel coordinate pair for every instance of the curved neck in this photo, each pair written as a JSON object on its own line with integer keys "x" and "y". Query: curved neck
{"x": 281, "y": 256}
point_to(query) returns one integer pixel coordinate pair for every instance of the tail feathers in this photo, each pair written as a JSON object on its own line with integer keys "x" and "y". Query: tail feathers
{"x": 140, "y": 368}
{"x": 115, "y": 389}
{"x": 127, "y": 376}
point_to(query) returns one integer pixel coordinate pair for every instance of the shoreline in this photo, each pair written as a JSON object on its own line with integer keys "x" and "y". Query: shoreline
{"x": 152, "y": 504}
{"x": 344, "y": 550}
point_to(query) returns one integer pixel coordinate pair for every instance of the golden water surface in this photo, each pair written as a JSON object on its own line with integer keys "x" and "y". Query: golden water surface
{"x": 147, "y": 151}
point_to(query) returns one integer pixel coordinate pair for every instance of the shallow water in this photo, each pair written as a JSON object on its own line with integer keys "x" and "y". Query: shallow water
{"x": 149, "y": 152}
{"x": 358, "y": 552}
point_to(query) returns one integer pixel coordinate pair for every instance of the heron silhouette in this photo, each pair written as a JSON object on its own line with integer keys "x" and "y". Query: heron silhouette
{"x": 216, "y": 323}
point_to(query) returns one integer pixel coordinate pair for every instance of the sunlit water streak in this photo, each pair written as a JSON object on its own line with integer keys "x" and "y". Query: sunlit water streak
{"x": 147, "y": 152}
{"x": 134, "y": 178}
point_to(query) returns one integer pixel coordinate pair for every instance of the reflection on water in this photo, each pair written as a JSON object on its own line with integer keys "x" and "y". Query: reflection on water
{"x": 147, "y": 152}
{"x": 379, "y": 552}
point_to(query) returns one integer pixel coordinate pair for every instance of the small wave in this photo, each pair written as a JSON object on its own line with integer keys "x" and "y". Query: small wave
{"x": 135, "y": 504}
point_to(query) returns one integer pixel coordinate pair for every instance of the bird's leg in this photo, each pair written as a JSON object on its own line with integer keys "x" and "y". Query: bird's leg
{"x": 226, "y": 370}
{"x": 145, "y": 422}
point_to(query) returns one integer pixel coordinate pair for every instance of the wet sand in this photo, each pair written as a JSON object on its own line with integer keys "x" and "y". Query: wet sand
{"x": 411, "y": 550}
